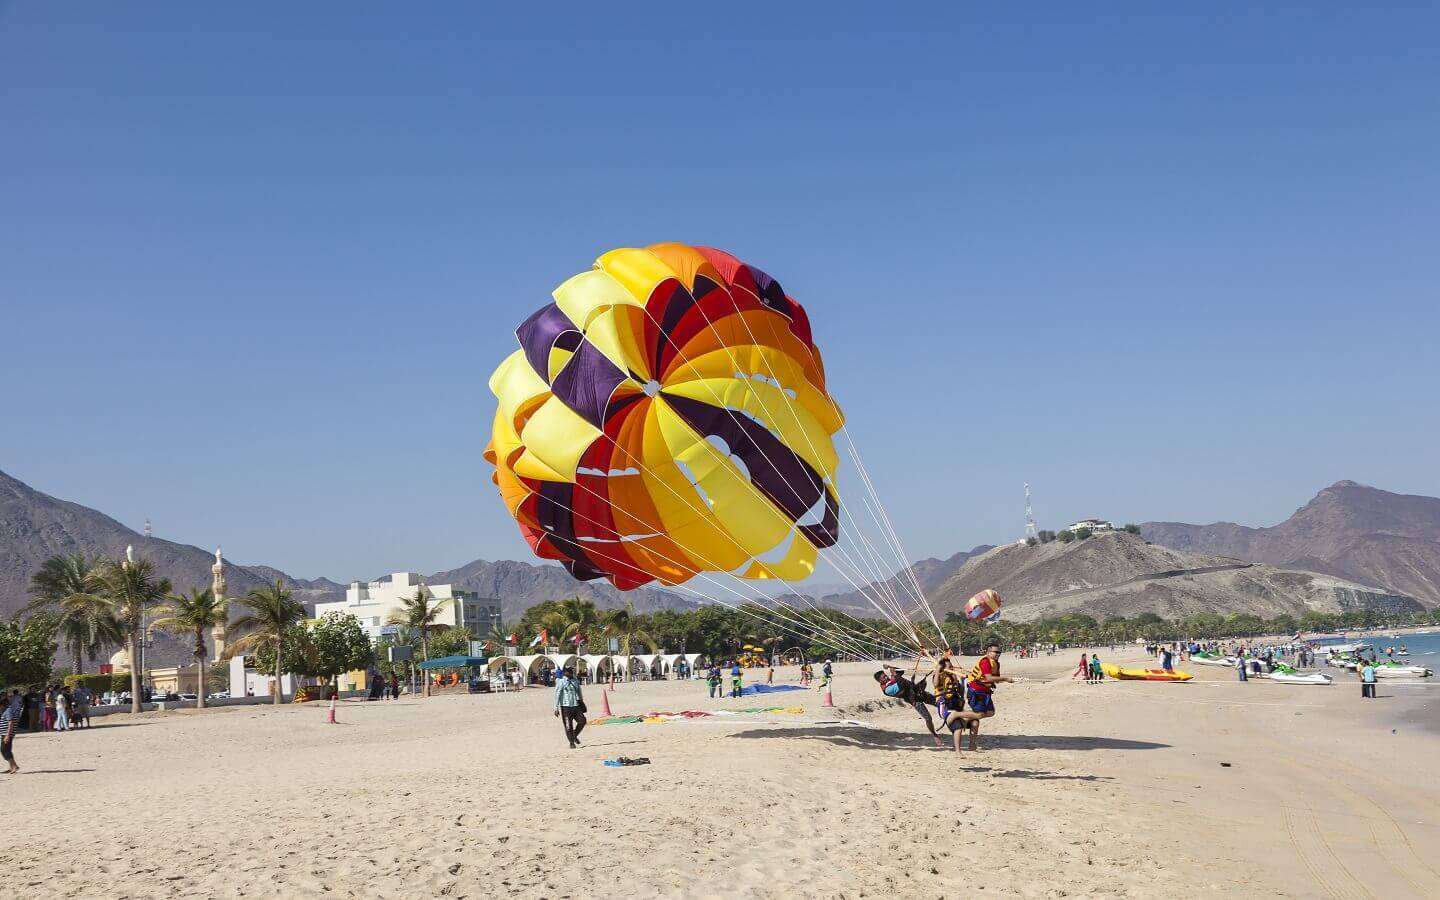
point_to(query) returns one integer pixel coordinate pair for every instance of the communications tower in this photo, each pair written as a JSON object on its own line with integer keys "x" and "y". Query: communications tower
{"x": 1029, "y": 516}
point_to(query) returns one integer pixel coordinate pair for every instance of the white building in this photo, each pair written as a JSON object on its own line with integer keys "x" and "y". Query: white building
{"x": 1093, "y": 525}
{"x": 373, "y": 602}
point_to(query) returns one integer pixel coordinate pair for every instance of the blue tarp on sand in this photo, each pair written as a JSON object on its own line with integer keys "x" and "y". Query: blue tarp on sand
{"x": 771, "y": 688}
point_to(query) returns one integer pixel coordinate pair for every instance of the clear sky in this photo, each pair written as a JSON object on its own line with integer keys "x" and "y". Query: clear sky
{"x": 258, "y": 260}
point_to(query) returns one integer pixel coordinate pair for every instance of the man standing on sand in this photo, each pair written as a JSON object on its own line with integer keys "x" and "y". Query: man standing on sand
{"x": 9, "y": 724}
{"x": 1240, "y": 666}
{"x": 570, "y": 706}
{"x": 1367, "y": 681}
{"x": 980, "y": 691}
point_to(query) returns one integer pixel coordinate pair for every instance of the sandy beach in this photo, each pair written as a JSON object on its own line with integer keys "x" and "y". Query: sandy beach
{"x": 1122, "y": 789}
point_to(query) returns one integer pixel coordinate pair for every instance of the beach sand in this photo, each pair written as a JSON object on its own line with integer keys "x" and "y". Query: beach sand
{"x": 1120, "y": 789}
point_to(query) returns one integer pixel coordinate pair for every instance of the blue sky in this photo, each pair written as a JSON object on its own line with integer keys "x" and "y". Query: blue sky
{"x": 258, "y": 260}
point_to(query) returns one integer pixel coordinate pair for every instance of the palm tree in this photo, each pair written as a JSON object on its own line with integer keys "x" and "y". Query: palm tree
{"x": 272, "y": 610}
{"x": 579, "y": 617}
{"x": 418, "y": 612}
{"x": 195, "y": 614}
{"x": 622, "y": 625}
{"x": 131, "y": 588}
{"x": 86, "y": 622}
{"x": 87, "y": 626}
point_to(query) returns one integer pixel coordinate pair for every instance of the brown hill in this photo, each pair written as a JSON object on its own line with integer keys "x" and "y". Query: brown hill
{"x": 1120, "y": 574}
{"x": 1349, "y": 530}
{"x": 522, "y": 585}
{"x": 35, "y": 526}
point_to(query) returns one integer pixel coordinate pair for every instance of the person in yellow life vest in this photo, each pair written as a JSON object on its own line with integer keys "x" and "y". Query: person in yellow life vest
{"x": 980, "y": 690}
{"x": 950, "y": 702}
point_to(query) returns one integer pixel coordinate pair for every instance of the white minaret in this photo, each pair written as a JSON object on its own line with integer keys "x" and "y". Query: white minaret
{"x": 217, "y": 586}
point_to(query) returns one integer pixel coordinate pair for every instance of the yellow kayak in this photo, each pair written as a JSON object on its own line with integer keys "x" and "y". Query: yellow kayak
{"x": 1115, "y": 671}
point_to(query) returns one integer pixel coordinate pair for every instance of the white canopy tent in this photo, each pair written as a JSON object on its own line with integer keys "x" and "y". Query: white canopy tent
{"x": 645, "y": 665}
{"x": 696, "y": 661}
{"x": 599, "y": 665}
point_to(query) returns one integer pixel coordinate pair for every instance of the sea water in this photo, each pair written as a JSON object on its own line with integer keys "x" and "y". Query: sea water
{"x": 1424, "y": 647}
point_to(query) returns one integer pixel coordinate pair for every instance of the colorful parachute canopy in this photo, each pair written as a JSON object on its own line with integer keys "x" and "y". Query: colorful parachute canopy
{"x": 984, "y": 605}
{"x": 667, "y": 415}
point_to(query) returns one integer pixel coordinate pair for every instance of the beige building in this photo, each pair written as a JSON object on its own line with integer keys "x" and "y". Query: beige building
{"x": 373, "y": 602}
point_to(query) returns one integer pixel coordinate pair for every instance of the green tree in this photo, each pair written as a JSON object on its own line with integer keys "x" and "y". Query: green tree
{"x": 273, "y": 611}
{"x": 1082, "y": 533}
{"x": 579, "y": 617}
{"x": 418, "y": 612}
{"x": 628, "y": 629}
{"x": 86, "y": 622}
{"x": 339, "y": 645}
{"x": 26, "y": 649}
{"x": 193, "y": 615}
{"x": 452, "y": 641}
{"x": 1065, "y": 536}
{"x": 132, "y": 588}
{"x": 1131, "y": 528}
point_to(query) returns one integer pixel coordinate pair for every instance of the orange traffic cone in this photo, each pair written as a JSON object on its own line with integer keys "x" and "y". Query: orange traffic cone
{"x": 829, "y": 699}
{"x": 332, "y": 709}
{"x": 605, "y": 701}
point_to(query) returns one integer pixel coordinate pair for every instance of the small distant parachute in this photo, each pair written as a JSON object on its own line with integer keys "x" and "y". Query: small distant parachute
{"x": 666, "y": 416}
{"x": 983, "y": 606}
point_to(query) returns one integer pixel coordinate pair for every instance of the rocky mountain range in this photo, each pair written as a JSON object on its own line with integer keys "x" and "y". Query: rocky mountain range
{"x": 1348, "y": 530}
{"x": 1352, "y": 546}
{"x": 1119, "y": 574}
{"x": 35, "y": 526}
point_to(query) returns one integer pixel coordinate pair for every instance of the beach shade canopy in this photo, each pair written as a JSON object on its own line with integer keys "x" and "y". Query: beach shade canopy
{"x": 455, "y": 662}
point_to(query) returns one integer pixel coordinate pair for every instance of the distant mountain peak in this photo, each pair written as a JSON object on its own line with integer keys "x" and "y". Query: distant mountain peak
{"x": 1350, "y": 530}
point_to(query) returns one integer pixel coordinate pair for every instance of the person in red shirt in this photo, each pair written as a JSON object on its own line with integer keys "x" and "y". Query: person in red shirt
{"x": 980, "y": 689}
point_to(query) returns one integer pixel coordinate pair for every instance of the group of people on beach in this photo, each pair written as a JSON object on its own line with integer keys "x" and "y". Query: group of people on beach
{"x": 952, "y": 693}
{"x": 1089, "y": 669}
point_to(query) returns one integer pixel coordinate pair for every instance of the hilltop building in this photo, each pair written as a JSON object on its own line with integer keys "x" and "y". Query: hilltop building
{"x": 1093, "y": 525}
{"x": 373, "y": 602}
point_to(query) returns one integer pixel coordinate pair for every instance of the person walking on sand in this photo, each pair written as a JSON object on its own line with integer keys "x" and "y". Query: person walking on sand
{"x": 570, "y": 706}
{"x": 1097, "y": 674}
{"x": 826, "y": 671}
{"x": 737, "y": 678}
{"x": 1082, "y": 670}
{"x": 83, "y": 698}
{"x": 1167, "y": 659}
{"x": 1367, "y": 681}
{"x": 62, "y": 710}
{"x": 1241, "y": 667}
{"x": 9, "y": 724}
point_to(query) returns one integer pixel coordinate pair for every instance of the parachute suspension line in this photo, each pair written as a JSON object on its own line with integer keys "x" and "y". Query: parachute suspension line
{"x": 893, "y": 650}
{"x": 880, "y": 581}
{"x": 897, "y": 546}
{"x": 836, "y": 637}
{"x": 895, "y": 614}
{"x": 906, "y": 568}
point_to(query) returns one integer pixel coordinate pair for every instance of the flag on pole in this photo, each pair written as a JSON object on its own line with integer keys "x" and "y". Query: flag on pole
{"x": 541, "y": 638}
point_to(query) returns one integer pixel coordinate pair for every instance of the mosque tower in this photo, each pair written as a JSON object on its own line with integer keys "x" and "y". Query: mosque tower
{"x": 217, "y": 585}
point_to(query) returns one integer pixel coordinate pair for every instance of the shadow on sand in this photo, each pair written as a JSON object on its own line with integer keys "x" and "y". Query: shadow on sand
{"x": 879, "y": 739}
